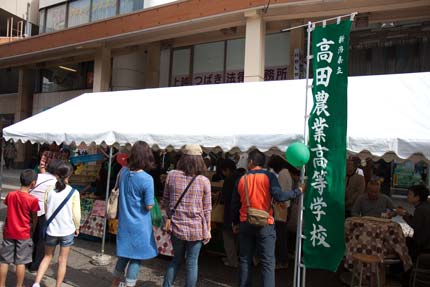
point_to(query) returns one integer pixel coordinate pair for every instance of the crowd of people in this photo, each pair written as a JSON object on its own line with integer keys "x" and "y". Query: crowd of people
{"x": 259, "y": 220}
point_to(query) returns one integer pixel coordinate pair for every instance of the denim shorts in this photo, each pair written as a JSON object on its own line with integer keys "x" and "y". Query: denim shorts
{"x": 64, "y": 241}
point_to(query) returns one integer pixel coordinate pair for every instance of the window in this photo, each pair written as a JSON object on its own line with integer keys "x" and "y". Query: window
{"x": 127, "y": 6}
{"x": 79, "y": 12}
{"x": 277, "y": 56}
{"x": 102, "y": 9}
{"x": 208, "y": 63}
{"x": 235, "y": 60}
{"x": 41, "y": 21}
{"x": 67, "y": 77}
{"x": 181, "y": 67}
{"x": 56, "y": 18}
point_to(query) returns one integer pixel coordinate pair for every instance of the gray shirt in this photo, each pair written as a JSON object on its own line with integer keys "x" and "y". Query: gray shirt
{"x": 363, "y": 206}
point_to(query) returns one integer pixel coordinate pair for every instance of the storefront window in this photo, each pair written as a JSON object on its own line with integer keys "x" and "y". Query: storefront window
{"x": 56, "y": 18}
{"x": 102, "y": 9}
{"x": 79, "y": 12}
{"x": 41, "y": 21}
{"x": 235, "y": 61}
{"x": 67, "y": 77}
{"x": 277, "y": 56}
{"x": 181, "y": 67}
{"x": 127, "y": 6}
{"x": 208, "y": 63}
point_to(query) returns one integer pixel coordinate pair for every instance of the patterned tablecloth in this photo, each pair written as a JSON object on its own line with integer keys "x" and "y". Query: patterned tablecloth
{"x": 375, "y": 236}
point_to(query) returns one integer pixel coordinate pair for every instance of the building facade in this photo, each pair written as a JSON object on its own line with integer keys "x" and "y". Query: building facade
{"x": 101, "y": 45}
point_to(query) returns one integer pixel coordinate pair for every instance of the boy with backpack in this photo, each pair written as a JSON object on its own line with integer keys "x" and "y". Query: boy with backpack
{"x": 17, "y": 246}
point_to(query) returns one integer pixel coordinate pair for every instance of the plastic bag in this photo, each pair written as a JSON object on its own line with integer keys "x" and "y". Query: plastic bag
{"x": 156, "y": 216}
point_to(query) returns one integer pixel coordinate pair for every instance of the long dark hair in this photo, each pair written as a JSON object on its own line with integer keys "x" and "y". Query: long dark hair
{"x": 141, "y": 157}
{"x": 64, "y": 170}
{"x": 192, "y": 165}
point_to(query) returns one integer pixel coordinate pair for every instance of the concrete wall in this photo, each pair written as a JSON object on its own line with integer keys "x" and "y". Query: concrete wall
{"x": 128, "y": 71}
{"x": 19, "y": 8}
{"x": 43, "y": 101}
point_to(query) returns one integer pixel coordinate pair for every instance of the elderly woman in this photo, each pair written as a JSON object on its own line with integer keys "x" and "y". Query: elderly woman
{"x": 190, "y": 220}
{"x": 135, "y": 238}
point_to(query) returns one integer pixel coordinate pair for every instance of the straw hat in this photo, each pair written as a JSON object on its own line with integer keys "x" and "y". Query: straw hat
{"x": 193, "y": 149}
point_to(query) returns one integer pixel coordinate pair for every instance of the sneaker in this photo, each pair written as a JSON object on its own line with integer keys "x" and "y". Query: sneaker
{"x": 36, "y": 285}
{"x": 121, "y": 284}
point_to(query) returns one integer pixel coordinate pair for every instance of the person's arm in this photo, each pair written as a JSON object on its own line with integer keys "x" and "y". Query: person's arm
{"x": 76, "y": 211}
{"x": 148, "y": 189}
{"x": 34, "y": 220}
{"x": 356, "y": 208}
{"x": 166, "y": 194}
{"x": 236, "y": 206}
{"x": 207, "y": 207}
{"x": 277, "y": 193}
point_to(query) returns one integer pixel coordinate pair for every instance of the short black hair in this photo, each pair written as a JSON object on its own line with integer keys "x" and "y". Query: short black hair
{"x": 257, "y": 157}
{"x": 421, "y": 191}
{"x": 27, "y": 177}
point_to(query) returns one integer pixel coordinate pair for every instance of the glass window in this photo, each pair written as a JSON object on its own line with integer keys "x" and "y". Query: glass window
{"x": 102, "y": 9}
{"x": 208, "y": 63}
{"x": 41, "y": 21}
{"x": 235, "y": 54}
{"x": 79, "y": 12}
{"x": 56, "y": 18}
{"x": 127, "y": 6}
{"x": 181, "y": 67}
{"x": 67, "y": 77}
{"x": 277, "y": 56}
{"x": 235, "y": 62}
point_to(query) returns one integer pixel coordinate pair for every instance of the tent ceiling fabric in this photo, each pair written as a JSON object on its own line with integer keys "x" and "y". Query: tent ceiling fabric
{"x": 387, "y": 114}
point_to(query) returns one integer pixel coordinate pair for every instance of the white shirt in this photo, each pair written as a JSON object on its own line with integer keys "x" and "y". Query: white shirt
{"x": 69, "y": 217}
{"x": 44, "y": 181}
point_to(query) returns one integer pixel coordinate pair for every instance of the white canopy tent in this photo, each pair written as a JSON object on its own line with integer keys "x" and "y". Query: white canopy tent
{"x": 387, "y": 117}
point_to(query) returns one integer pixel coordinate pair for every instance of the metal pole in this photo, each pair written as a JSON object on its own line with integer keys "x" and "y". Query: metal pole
{"x": 106, "y": 199}
{"x": 299, "y": 277}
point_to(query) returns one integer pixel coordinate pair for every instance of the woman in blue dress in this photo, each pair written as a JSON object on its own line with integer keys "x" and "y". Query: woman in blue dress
{"x": 135, "y": 238}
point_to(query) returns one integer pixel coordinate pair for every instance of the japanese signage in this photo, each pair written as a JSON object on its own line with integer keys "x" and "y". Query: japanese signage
{"x": 324, "y": 204}
{"x": 270, "y": 74}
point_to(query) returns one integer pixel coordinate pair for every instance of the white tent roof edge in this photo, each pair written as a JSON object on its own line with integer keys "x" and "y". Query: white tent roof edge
{"x": 387, "y": 117}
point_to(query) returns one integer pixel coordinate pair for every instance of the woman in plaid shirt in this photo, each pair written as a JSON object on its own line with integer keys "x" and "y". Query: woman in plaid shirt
{"x": 191, "y": 220}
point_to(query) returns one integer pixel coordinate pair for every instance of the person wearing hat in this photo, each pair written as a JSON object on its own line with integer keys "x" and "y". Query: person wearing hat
{"x": 190, "y": 220}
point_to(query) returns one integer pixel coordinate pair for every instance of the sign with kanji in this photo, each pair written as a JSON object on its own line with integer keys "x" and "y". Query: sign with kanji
{"x": 324, "y": 203}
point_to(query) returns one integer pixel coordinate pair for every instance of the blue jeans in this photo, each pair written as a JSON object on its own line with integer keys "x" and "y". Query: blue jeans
{"x": 132, "y": 270}
{"x": 190, "y": 250}
{"x": 262, "y": 238}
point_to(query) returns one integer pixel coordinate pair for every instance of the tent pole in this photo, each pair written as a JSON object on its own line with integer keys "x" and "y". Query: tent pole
{"x": 101, "y": 258}
{"x": 106, "y": 199}
{"x": 299, "y": 268}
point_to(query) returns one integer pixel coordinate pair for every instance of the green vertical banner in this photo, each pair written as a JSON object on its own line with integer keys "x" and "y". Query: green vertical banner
{"x": 324, "y": 202}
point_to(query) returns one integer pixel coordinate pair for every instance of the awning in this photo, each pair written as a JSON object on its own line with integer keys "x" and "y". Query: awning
{"x": 387, "y": 117}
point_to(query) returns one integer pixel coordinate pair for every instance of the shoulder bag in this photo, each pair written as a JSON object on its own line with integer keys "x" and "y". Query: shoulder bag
{"x": 255, "y": 216}
{"x": 168, "y": 223}
{"x": 47, "y": 222}
{"x": 112, "y": 204}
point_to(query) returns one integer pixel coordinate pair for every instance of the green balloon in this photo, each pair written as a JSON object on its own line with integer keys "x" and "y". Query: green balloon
{"x": 297, "y": 154}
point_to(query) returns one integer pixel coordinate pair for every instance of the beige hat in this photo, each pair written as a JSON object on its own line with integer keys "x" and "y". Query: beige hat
{"x": 193, "y": 149}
